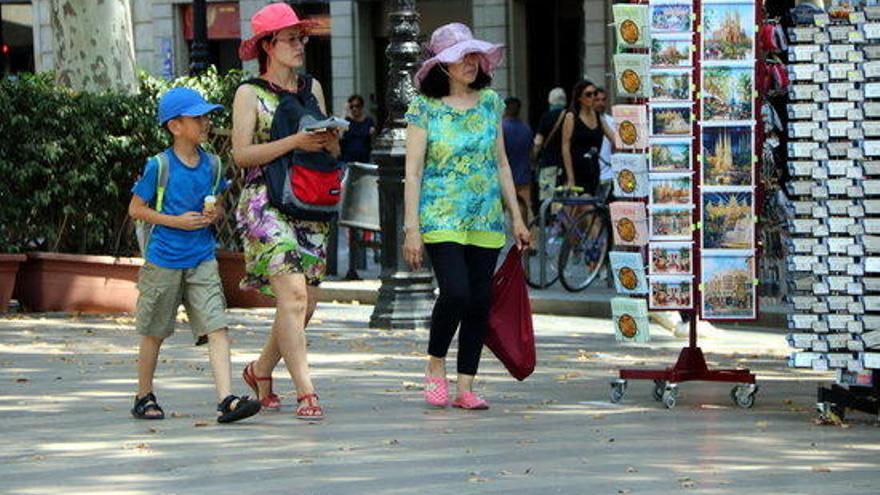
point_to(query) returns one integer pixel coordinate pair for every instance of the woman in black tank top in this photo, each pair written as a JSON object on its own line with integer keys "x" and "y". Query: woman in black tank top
{"x": 582, "y": 132}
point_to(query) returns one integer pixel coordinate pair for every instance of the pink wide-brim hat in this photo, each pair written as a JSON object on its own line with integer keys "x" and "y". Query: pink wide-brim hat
{"x": 450, "y": 43}
{"x": 269, "y": 20}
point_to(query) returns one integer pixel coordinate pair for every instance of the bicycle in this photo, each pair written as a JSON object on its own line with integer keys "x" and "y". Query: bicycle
{"x": 586, "y": 244}
{"x": 548, "y": 233}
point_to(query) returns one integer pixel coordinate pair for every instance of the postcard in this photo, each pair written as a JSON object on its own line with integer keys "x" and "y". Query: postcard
{"x": 631, "y": 25}
{"x": 671, "y": 188}
{"x": 671, "y": 119}
{"x": 671, "y": 18}
{"x": 630, "y": 175}
{"x": 728, "y": 156}
{"x": 728, "y": 286}
{"x": 628, "y": 269}
{"x": 671, "y": 154}
{"x": 630, "y": 317}
{"x": 671, "y": 85}
{"x": 629, "y": 222}
{"x": 671, "y": 223}
{"x": 632, "y": 126}
{"x": 728, "y": 93}
{"x": 671, "y": 292}
{"x": 632, "y": 71}
{"x": 728, "y": 31}
{"x": 728, "y": 220}
{"x": 671, "y": 258}
{"x": 672, "y": 50}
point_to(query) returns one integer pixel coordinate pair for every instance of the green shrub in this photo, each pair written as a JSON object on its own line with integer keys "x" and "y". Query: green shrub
{"x": 68, "y": 160}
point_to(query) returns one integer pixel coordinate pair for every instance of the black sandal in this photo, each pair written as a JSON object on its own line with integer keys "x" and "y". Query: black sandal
{"x": 146, "y": 404}
{"x": 245, "y": 408}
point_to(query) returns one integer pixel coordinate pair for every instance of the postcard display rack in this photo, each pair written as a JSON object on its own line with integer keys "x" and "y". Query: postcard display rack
{"x": 685, "y": 179}
{"x": 834, "y": 150}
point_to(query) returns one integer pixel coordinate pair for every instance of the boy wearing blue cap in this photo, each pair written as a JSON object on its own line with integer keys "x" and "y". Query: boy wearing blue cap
{"x": 175, "y": 197}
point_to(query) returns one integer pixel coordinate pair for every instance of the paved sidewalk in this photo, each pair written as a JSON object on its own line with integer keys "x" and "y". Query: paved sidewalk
{"x": 66, "y": 385}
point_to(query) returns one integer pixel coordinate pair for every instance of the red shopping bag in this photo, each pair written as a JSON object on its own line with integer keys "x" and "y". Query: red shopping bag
{"x": 511, "y": 337}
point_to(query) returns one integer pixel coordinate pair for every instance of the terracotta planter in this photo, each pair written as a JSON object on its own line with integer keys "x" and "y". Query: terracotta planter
{"x": 81, "y": 283}
{"x": 231, "y": 266}
{"x": 9, "y": 264}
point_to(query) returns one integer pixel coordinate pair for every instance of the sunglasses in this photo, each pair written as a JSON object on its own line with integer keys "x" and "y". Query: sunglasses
{"x": 355, "y": 105}
{"x": 589, "y": 94}
{"x": 301, "y": 39}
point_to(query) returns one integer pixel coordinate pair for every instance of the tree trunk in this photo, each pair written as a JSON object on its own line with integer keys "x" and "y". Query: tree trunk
{"x": 94, "y": 45}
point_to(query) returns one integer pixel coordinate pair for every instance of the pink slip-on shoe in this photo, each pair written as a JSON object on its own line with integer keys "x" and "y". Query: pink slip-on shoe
{"x": 470, "y": 400}
{"x": 436, "y": 391}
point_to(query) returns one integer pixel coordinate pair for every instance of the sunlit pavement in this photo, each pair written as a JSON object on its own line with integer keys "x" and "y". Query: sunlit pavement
{"x": 66, "y": 385}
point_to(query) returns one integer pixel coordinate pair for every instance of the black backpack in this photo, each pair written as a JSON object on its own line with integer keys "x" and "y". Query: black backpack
{"x": 302, "y": 185}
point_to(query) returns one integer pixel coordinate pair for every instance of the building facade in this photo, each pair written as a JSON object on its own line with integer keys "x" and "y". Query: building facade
{"x": 550, "y": 42}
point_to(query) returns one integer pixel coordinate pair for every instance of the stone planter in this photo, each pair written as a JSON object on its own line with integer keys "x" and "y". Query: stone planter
{"x": 78, "y": 283}
{"x": 9, "y": 265}
{"x": 231, "y": 265}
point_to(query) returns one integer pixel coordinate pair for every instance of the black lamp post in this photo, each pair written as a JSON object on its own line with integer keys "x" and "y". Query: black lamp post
{"x": 405, "y": 297}
{"x": 199, "y": 49}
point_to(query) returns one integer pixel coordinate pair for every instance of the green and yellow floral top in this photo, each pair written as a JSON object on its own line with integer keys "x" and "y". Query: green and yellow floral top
{"x": 461, "y": 193}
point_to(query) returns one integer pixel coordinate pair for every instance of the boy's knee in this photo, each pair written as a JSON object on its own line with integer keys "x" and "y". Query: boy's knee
{"x": 151, "y": 340}
{"x": 216, "y": 336}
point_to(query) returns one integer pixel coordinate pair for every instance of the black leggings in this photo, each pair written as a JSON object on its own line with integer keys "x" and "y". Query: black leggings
{"x": 464, "y": 274}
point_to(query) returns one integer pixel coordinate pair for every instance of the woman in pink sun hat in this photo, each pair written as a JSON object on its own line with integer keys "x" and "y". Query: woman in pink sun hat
{"x": 285, "y": 258}
{"x": 457, "y": 181}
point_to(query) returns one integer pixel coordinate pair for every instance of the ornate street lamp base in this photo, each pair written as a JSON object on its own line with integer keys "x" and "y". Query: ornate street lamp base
{"x": 405, "y": 302}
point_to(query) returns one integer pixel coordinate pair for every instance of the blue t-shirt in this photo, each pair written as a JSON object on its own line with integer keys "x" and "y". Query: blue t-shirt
{"x": 186, "y": 191}
{"x": 518, "y": 144}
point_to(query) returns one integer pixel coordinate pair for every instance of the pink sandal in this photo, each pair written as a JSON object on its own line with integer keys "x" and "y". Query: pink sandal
{"x": 270, "y": 401}
{"x": 470, "y": 400}
{"x": 310, "y": 411}
{"x": 436, "y": 391}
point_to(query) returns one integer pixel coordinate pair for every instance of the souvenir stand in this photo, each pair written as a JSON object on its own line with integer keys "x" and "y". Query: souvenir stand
{"x": 834, "y": 163}
{"x": 685, "y": 178}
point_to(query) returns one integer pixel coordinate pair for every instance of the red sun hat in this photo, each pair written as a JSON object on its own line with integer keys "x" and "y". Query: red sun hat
{"x": 269, "y": 20}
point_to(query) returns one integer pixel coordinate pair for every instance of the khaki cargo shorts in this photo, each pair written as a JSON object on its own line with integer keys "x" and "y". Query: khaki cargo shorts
{"x": 163, "y": 290}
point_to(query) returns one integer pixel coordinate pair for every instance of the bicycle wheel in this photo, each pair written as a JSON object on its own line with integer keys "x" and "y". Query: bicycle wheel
{"x": 584, "y": 251}
{"x": 554, "y": 233}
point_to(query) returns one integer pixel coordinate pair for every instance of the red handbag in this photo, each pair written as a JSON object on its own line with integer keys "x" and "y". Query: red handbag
{"x": 511, "y": 336}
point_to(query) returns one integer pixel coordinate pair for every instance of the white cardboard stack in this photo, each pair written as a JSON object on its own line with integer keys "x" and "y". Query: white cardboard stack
{"x": 834, "y": 162}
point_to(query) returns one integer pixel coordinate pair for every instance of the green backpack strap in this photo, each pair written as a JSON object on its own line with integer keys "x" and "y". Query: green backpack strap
{"x": 161, "y": 179}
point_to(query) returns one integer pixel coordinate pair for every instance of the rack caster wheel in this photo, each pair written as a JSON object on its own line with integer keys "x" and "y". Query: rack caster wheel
{"x": 618, "y": 390}
{"x": 744, "y": 395}
{"x": 670, "y": 394}
{"x": 659, "y": 387}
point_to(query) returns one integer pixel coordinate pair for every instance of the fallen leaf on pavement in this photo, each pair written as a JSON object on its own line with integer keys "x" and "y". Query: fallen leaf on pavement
{"x": 567, "y": 376}
{"x": 21, "y": 380}
{"x": 821, "y": 469}
{"x": 201, "y": 424}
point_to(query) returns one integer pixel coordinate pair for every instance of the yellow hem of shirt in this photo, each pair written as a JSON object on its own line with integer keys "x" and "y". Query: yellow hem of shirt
{"x": 483, "y": 239}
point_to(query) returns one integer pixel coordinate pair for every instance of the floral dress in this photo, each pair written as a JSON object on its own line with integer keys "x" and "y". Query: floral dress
{"x": 275, "y": 244}
{"x": 460, "y": 198}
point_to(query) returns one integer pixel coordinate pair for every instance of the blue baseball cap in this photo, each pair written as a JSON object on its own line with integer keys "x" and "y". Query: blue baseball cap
{"x": 184, "y": 102}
